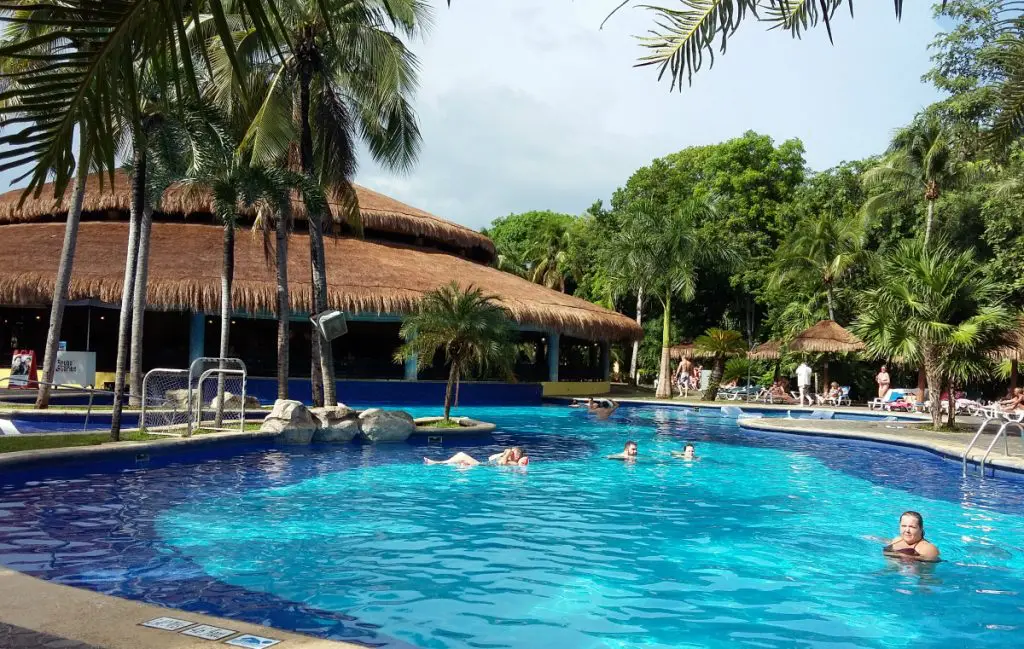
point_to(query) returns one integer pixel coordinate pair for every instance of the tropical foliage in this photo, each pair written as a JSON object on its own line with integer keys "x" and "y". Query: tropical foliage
{"x": 464, "y": 327}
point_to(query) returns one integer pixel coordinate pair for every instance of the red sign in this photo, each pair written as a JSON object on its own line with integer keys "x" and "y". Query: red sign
{"x": 23, "y": 369}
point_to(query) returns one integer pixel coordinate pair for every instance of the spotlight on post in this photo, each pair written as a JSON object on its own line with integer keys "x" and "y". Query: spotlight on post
{"x": 330, "y": 324}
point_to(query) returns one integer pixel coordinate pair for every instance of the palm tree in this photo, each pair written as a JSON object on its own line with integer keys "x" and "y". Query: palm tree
{"x": 681, "y": 247}
{"x": 81, "y": 69}
{"x": 723, "y": 344}
{"x": 631, "y": 259}
{"x": 472, "y": 330}
{"x": 933, "y": 305}
{"x": 826, "y": 247}
{"x": 338, "y": 74}
{"x": 920, "y": 163}
{"x": 549, "y": 258}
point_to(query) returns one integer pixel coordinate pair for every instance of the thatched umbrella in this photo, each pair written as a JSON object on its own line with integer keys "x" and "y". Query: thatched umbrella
{"x": 1013, "y": 351}
{"x": 688, "y": 350}
{"x": 769, "y": 351}
{"x": 826, "y": 337}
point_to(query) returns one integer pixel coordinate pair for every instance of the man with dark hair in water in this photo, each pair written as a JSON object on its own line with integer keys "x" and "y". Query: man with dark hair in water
{"x": 910, "y": 544}
{"x": 628, "y": 452}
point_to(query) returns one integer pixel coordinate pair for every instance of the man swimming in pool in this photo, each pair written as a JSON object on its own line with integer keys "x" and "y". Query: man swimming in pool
{"x": 688, "y": 453}
{"x": 910, "y": 544}
{"x": 509, "y": 457}
{"x": 603, "y": 408}
{"x": 628, "y": 452}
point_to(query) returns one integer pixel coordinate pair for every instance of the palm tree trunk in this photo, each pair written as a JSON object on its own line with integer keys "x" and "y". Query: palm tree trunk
{"x": 127, "y": 291}
{"x": 283, "y": 309}
{"x": 831, "y": 306}
{"x": 665, "y": 374}
{"x": 321, "y": 348}
{"x": 717, "y": 370}
{"x": 227, "y": 277}
{"x": 60, "y": 287}
{"x": 931, "y": 368}
{"x": 951, "y": 416}
{"x": 139, "y": 304}
{"x": 453, "y": 376}
{"x": 928, "y": 221}
{"x": 636, "y": 343}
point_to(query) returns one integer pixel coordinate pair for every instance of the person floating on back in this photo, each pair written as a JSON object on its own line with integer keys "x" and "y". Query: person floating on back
{"x": 509, "y": 457}
{"x": 628, "y": 452}
{"x": 910, "y": 544}
{"x": 688, "y": 453}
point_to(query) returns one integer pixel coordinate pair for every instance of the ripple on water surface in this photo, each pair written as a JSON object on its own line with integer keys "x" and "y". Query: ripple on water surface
{"x": 763, "y": 542}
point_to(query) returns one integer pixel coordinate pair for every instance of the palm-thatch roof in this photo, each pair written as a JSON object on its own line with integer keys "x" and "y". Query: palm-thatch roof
{"x": 825, "y": 336}
{"x": 688, "y": 350}
{"x": 1014, "y": 349}
{"x": 378, "y": 211}
{"x": 770, "y": 350}
{"x": 363, "y": 276}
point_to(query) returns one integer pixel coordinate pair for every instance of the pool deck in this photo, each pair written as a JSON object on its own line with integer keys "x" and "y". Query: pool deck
{"x": 900, "y": 433}
{"x": 40, "y": 614}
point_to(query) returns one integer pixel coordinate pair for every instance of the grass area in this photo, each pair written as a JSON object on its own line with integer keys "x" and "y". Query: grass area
{"x": 441, "y": 423}
{"x": 11, "y": 443}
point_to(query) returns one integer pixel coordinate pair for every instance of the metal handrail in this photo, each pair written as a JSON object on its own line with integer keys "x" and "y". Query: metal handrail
{"x": 1006, "y": 444}
{"x": 92, "y": 391}
{"x": 993, "y": 414}
{"x": 974, "y": 440}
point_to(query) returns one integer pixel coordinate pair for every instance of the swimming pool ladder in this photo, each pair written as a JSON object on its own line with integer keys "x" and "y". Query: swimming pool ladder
{"x": 1016, "y": 420}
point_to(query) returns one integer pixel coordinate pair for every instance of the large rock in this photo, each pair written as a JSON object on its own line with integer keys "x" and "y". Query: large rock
{"x": 336, "y": 424}
{"x": 292, "y": 422}
{"x": 179, "y": 398}
{"x": 386, "y": 425}
{"x": 234, "y": 402}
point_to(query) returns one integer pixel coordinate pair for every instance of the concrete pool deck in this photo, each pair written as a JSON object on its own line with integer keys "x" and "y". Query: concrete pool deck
{"x": 36, "y": 613}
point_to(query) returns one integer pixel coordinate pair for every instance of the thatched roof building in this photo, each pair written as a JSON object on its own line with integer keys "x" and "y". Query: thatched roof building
{"x": 405, "y": 253}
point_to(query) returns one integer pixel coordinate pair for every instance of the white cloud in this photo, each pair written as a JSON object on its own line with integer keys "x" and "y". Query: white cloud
{"x": 526, "y": 104}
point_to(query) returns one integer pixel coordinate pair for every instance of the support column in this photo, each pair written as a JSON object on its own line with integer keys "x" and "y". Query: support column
{"x": 553, "y": 340}
{"x": 411, "y": 371}
{"x": 606, "y": 360}
{"x": 196, "y": 337}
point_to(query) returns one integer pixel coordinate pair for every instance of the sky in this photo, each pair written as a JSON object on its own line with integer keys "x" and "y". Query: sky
{"x": 528, "y": 105}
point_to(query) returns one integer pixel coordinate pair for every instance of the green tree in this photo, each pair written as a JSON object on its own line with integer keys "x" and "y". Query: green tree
{"x": 470, "y": 328}
{"x": 920, "y": 164}
{"x": 823, "y": 248}
{"x": 723, "y": 344}
{"x": 339, "y": 73}
{"x": 933, "y": 304}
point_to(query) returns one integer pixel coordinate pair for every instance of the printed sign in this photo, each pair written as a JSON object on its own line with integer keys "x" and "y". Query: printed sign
{"x": 208, "y": 632}
{"x": 23, "y": 369}
{"x": 167, "y": 623}
{"x": 75, "y": 368}
{"x": 252, "y": 641}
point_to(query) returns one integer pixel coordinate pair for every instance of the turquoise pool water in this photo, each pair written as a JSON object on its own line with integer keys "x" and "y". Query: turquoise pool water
{"x": 765, "y": 542}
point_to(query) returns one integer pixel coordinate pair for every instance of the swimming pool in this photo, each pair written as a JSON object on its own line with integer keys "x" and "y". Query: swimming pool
{"x": 760, "y": 543}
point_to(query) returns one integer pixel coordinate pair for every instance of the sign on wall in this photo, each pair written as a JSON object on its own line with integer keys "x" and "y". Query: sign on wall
{"x": 23, "y": 369}
{"x": 75, "y": 368}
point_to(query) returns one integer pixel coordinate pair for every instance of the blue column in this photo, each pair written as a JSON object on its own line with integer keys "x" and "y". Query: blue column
{"x": 410, "y": 369}
{"x": 197, "y": 337}
{"x": 553, "y": 340}
{"x": 606, "y": 360}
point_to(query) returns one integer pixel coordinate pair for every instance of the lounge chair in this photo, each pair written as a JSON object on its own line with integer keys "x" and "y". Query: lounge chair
{"x": 880, "y": 403}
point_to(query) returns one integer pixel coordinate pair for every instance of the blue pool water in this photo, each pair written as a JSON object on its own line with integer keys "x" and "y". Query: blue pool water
{"x": 765, "y": 542}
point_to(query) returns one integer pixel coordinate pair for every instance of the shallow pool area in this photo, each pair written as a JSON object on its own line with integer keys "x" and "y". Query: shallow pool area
{"x": 766, "y": 541}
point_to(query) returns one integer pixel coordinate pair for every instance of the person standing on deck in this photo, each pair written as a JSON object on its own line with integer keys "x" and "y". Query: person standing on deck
{"x": 803, "y": 381}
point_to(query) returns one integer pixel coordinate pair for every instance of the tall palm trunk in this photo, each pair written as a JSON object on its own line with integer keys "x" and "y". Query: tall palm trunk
{"x": 283, "y": 309}
{"x": 60, "y": 286}
{"x": 453, "y": 377}
{"x": 665, "y": 375}
{"x": 951, "y": 415}
{"x": 321, "y": 348}
{"x": 636, "y": 343}
{"x": 227, "y": 276}
{"x": 931, "y": 369}
{"x": 831, "y": 303}
{"x": 127, "y": 292}
{"x": 928, "y": 221}
{"x": 717, "y": 370}
{"x": 139, "y": 304}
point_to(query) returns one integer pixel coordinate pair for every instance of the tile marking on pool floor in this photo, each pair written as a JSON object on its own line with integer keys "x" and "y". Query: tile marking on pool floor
{"x": 167, "y": 623}
{"x": 209, "y": 632}
{"x": 252, "y": 641}
{"x": 7, "y": 427}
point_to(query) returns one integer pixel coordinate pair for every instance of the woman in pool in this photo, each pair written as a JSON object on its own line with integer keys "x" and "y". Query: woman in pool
{"x": 509, "y": 457}
{"x": 910, "y": 544}
{"x": 688, "y": 453}
{"x": 628, "y": 452}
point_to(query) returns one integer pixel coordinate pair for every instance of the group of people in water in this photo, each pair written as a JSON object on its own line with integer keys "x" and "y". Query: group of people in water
{"x": 910, "y": 544}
